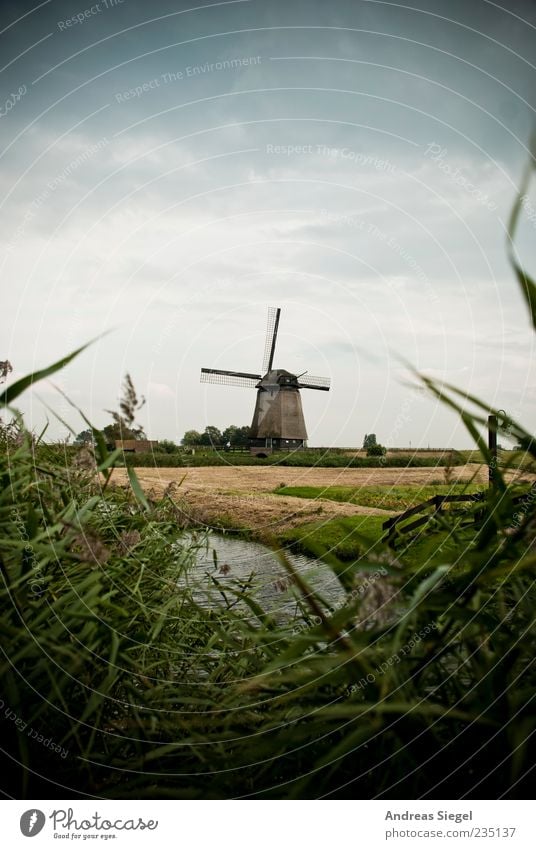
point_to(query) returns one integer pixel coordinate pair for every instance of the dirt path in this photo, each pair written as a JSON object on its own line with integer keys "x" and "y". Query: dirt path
{"x": 242, "y": 496}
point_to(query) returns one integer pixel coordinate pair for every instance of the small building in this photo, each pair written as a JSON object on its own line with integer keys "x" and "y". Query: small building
{"x": 136, "y": 446}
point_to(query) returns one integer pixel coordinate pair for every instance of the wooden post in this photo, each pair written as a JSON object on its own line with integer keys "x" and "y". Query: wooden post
{"x": 492, "y": 445}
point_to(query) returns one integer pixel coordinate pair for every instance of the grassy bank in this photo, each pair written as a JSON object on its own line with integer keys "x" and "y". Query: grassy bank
{"x": 353, "y": 537}
{"x": 345, "y": 539}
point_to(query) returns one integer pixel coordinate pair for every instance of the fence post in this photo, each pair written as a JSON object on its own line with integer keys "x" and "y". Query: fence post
{"x": 492, "y": 446}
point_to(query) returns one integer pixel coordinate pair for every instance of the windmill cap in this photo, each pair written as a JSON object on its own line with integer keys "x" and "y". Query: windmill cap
{"x": 279, "y": 375}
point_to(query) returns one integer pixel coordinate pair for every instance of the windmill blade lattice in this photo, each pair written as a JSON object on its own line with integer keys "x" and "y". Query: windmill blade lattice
{"x": 271, "y": 336}
{"x": 229, "y": 378}
{"x": 310, "y": 381}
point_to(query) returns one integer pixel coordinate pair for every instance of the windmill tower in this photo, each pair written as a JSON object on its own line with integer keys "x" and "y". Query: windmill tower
{"x": 278, "y": 423}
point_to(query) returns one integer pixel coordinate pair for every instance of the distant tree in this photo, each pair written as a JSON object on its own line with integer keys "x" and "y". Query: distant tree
{"x": 115, "y": 431}
{"x": 166, "y": 446}
{"x": 369, "y": 440}
{"x": 244, "y": 434}
{"x": 211, "y": 436}
{"x": 85, "y": 437}
{"x": 376, "y": 450}
{"x": 191, "y": 437}
{"x": 237, "y": 436}
{"x": 229, "y": 434}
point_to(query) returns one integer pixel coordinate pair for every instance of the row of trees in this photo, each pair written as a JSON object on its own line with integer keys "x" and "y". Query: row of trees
{"x": 211, "y": 436}
{"x": 236, "y": 436}
{"x": 111, "y": 433}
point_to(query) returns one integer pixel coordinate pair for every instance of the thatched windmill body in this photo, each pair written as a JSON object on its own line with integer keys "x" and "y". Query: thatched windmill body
{"x": 278, "y": 422}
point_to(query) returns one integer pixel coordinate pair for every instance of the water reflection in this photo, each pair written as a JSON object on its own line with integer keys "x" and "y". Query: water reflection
{"x": 226, "y": 563}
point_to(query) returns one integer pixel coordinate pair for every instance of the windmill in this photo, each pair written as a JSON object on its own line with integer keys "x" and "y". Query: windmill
{"x": 278, "y": 422}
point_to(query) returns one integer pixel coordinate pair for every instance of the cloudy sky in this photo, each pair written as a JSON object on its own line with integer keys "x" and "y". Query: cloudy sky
{"x": 169, "y": 171}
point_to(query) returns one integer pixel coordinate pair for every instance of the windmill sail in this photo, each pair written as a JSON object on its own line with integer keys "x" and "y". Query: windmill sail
{"x": 271, "y": 336}
{"x": 311, "y": 382}
{"x": 229, "y": 378}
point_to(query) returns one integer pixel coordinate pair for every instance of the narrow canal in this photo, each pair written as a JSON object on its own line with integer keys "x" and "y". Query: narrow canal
{"x": 226, "y": 564}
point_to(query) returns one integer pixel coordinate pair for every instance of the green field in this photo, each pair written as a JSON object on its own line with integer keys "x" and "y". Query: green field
{"x": 354, "y": 538}
{"x": 398, "y": 498}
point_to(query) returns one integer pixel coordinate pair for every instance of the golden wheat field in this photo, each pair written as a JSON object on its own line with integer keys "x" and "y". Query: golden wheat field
{"x": 244, "y": 495}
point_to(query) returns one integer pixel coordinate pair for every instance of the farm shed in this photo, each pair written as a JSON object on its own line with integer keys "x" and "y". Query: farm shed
{"x": 137, "y": 446}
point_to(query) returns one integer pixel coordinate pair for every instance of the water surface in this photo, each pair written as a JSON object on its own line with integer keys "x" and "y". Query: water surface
{"x": 232, "y": 562}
